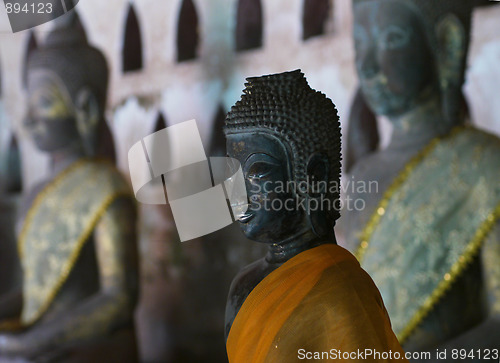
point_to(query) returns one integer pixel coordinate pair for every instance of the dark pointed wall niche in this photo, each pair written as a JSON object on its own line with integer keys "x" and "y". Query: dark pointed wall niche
{"x": 106, "y": 148}
{"x": 160, "y": 123}
{"x": 249, "y": 25}
{"x": 13, "y": 182}
{"x": 314, "y": 17}
{"x": 30, "y": 47}
{"x": 159, "y": 147}
{"x": 188, "y": 36}
{"x": 218, "y": 140}
{"x": 132, "y": 43}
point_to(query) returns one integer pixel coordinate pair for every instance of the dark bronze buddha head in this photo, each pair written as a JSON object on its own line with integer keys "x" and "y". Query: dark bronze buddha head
{"x": 287, "y": 139}
{"x": 67, "y": 87}
{"x": 408, "y": 51}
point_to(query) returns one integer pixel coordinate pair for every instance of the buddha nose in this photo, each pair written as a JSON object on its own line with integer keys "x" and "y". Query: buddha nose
{"x": 369, "y": 66}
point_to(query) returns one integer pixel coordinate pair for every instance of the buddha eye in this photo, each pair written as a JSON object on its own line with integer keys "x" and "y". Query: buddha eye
{"x": 260, "y": 170}
{"x": 394, "y": 37}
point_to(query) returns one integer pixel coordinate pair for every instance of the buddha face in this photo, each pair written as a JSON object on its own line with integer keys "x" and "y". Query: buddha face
{"x": 271, "y": 216}
{"x": 393, "y": 59}
{"x": 51, "y": 117}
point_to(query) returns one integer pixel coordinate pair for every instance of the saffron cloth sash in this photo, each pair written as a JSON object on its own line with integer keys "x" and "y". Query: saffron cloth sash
{"x": 320, "y": 300}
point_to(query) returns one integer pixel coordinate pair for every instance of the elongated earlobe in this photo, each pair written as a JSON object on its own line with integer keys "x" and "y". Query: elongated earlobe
{"x": 318, "y": 171}
{"x": 362, "y": 131}
{"x": 452, "y": 45}
{"x": 87, "y": 120}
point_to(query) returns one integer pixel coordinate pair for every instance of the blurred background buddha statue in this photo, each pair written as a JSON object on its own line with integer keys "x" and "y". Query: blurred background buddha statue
{"x": 429, "y": 235}
{"x": 307, "y": 291}
{"x": 77, "y": 237}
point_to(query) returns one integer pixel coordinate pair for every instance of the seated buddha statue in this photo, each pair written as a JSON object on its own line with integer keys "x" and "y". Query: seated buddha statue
{"x": 77, "y": 237}
{"x": 429, "y": 234}
{"x": 307, "y": 295}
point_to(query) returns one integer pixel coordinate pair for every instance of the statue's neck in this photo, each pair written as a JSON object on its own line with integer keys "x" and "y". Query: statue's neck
{"x": 420, "y": 125}
{"x": 62, "y": 159}
{"x": 281, "y": 252}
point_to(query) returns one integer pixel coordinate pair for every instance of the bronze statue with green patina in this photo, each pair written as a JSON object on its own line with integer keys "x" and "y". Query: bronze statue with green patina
{"x": 306, "y": 292}
{"x": 77, "y": 237}
{"x": 267, "y": 161}
{"x": 429, "y": 236}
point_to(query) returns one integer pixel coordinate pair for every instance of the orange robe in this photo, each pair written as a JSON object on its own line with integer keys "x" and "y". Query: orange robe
{"x": 320, "y": 304}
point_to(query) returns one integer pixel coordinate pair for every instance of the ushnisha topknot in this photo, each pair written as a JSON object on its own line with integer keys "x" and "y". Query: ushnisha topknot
{"x": 306, "y": 120}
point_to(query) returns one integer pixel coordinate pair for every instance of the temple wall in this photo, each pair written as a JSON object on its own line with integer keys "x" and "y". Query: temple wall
{"x": 196, "y": 88}
{"x": 483, "y": 76}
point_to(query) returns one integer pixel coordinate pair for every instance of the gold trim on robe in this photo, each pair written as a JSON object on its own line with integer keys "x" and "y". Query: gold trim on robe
{"x": 57, "y": 226}
{"x": 319, "y": 301}
{"x": 431, "y": 223}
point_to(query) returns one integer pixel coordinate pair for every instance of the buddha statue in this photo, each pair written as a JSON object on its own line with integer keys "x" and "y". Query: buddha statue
{"x": 428, "y": 234}
{"x": 77, "y": 236}
{"x": 307, "y": 293}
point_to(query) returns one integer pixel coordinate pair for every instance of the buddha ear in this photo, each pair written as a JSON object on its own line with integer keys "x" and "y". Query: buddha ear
{"x": 362, "y": 132}
{"x": 87, "y": 118}
{"x": 452, "y": 45}
{"x": 318, "y": 170}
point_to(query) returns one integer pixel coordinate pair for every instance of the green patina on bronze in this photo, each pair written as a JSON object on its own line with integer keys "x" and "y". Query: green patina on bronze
{"x": 431, "y": 223}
